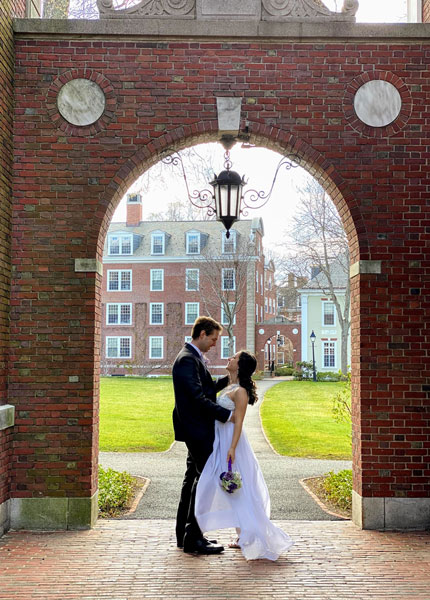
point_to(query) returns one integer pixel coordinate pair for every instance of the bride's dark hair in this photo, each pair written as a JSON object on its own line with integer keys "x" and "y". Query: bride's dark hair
{"x": 246, "y": 366}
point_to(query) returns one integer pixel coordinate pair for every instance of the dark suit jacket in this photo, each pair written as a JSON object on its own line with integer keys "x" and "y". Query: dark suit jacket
{"x": 195, "y": 409}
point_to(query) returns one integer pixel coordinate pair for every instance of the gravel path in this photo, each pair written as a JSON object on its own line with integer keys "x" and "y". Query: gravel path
{"x": 282, "y": 473}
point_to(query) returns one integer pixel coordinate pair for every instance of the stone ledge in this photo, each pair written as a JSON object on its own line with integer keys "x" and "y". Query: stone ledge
{"x": 400, "y": 514}
{"x": 7, "y": 416}
{"x": 365, "y": 267}
{"x": 4, "y": 517}
{"x": 53, "y": 513}
{"x": 88, "y": 265}
{"x": 173, "y": 29}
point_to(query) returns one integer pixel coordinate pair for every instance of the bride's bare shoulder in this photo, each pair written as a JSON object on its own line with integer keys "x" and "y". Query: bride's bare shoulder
{"x": 239, "y": 393}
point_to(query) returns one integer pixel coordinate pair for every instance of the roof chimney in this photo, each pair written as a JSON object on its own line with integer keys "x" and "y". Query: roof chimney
{"x": 134, "y": 209}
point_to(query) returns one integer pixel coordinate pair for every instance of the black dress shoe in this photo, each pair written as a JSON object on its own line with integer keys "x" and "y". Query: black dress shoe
{"x": 205, "y": 541}
{"x": 202, "y": 547}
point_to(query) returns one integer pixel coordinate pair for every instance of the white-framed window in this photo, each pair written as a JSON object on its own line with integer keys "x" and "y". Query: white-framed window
{"x": 229, "y": 244}
{"x": 228, "y": 279}
{"x": 118, "y": 313}
{"x": 224, "y": 320}
{"x": 155, "y": 346}
{"x": 256, "y": 282}
{"x": 225, "y": 352}
{"x": 280, "y": 358}
{"x": 188, "y": 339}
{"x": 156, "y": 313}
{"x": 191, "y": 312}
{"x": 192, "y": 280}
{"x": 261, "y": 285}
{"x": 120, "y": 243}
{"x": 157, "y": 280}
{"x": 329, "y": 355}
{"x": 193, "y": 242}
{"x": 265, "y": 305}
{"x": 328, "y": 316}
{"x": 118, "y": 347}
{"x": 119, "y": 281}
{"x": 261, "y": 313}
{"x": 256, "y": 312}
{"x": 157, "y": 242}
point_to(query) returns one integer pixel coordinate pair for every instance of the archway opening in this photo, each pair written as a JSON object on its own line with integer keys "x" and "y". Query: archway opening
{"x": 160, "y": 351}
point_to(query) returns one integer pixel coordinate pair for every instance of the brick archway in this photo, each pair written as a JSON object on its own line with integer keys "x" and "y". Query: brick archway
{"x": 162, "y": 94}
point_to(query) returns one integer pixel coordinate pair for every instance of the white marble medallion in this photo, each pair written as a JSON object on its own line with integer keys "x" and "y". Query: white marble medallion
{"x": 81, "y": 102}
{"x": 377, "y": 103}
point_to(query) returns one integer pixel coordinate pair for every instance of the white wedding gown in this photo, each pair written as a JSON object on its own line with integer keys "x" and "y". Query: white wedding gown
{"x": 248, "y": 507}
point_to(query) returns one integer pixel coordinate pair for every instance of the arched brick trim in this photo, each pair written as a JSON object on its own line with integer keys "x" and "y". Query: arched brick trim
{"x": 266, "y": 136}
{"x": 378, "y": 132}
{"x": 76, "y": 130}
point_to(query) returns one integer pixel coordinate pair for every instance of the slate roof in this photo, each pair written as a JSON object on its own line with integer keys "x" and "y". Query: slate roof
{"x": 176, "y": 234}
{"x": 339, "y": 276}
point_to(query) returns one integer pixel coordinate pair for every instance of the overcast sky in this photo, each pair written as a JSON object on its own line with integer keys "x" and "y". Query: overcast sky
{"x": 375, "y": 11}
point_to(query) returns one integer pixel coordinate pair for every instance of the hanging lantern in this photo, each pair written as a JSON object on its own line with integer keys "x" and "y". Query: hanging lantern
{"x": 228, "y": 187}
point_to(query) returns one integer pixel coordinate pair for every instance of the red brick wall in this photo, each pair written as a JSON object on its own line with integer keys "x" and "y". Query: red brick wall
{"x": 297, "y": 96}
{"x": 8, "y": 9}
{"x": 271, "y": 330}
{"x": 173, "y": 329}
{"x": 426, "y": 11}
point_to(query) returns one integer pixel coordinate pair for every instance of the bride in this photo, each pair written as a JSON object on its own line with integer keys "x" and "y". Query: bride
{"x": 248, "y": 508}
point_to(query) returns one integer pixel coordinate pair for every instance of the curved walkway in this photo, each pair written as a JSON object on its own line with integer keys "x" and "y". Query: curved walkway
{"x": 282, "y": 473}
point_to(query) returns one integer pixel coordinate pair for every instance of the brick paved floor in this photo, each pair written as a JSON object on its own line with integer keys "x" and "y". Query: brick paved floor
{"x": 138, "y": 560}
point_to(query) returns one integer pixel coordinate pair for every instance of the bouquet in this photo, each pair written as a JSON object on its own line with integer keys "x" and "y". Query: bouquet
{"x": 230, "y": 482}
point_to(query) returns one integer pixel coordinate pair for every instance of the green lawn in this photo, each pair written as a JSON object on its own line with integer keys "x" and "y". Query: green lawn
{"x": 297, "y": 419}
{"x": 136, "y": 414}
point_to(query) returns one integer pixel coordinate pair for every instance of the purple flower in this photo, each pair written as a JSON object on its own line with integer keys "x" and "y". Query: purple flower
{"x": 230, "y": 481}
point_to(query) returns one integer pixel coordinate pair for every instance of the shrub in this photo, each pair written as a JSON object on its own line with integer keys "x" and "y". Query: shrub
{"x": 338, "y": 487}
{"x": 341, "y": 408}
{"x": 329, "y": 376}
{"x": 303, "y": 370}
{"x": 258, "y": 375}
{"x": 284, "y": 371}
{"x": 115, "y": 491}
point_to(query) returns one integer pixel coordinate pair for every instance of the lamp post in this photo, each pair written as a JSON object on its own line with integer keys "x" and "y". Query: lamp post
{"x": 313, "y": 338}
{"x": 278, "y": 342}
{"x": 268, "y": 353}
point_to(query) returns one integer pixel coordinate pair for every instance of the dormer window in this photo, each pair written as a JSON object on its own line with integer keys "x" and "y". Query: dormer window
{"x": 158, "y": 242}
{"x": 193, "y": 242}
{"x": 120, "y": 243}
{"x": 229, "y": 245}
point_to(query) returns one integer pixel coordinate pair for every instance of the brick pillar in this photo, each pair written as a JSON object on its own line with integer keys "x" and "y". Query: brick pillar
{"x": 8, "y": 9}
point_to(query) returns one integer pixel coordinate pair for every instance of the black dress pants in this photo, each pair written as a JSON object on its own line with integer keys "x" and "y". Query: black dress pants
{"x": 186, "y": 522}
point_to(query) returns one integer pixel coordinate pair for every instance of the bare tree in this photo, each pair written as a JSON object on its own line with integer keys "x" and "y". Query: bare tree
{"x": 200, "y": 165}
{"x": 224, "y": 282}
{"x": 56, "y": 9}
{"x": 319, "y": 247}
{"x": 176, "y": 211}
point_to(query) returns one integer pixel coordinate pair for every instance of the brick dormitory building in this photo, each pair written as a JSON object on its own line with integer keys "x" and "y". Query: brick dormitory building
{"x": 158, "y": 276}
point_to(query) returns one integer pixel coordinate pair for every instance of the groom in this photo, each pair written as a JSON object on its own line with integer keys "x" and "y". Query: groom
{"x": 194, "y": 419}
